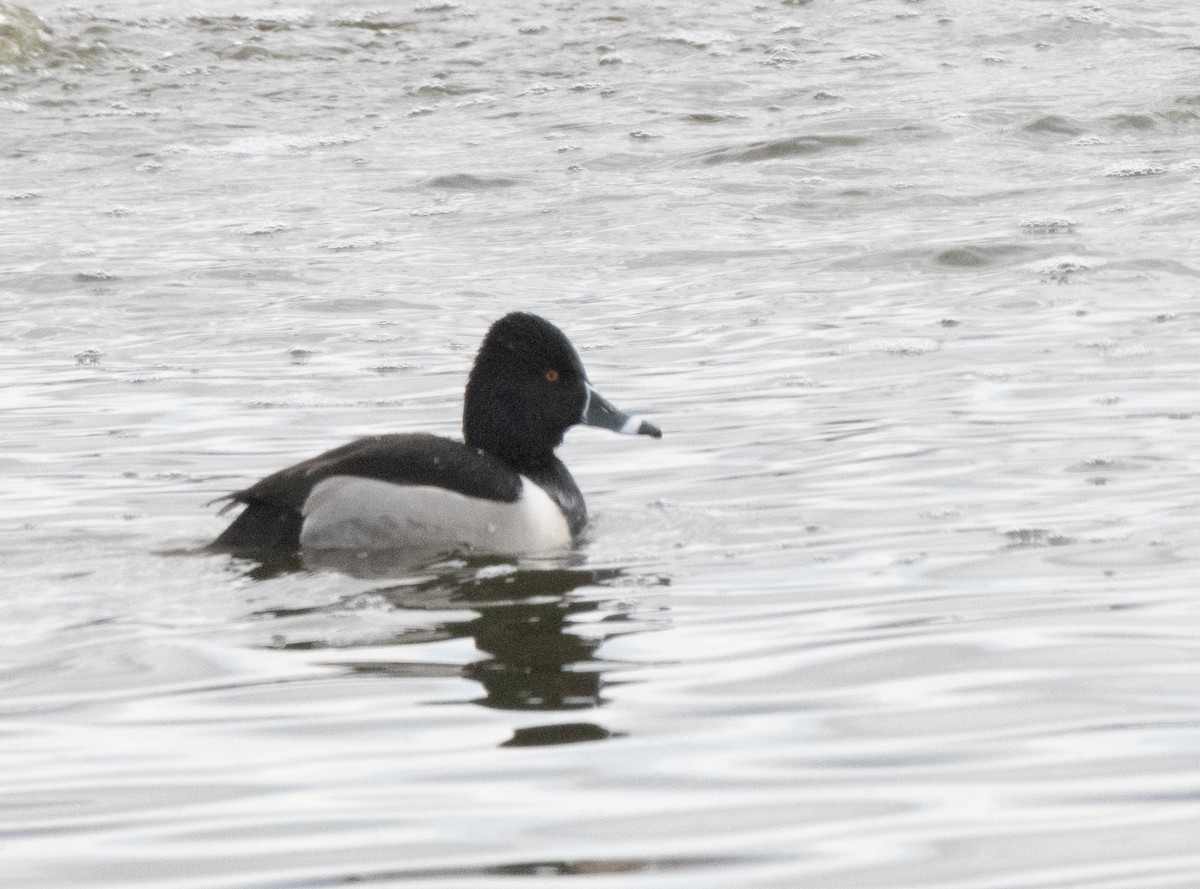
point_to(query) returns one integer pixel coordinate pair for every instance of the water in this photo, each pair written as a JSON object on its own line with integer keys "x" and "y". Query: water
{"x": 905, "y": 597}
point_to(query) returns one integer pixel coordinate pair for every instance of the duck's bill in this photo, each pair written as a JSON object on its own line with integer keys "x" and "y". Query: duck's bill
{"x": 599, "y": 411}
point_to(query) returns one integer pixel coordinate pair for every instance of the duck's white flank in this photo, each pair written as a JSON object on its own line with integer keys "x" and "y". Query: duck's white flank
{"x": 348, "y": 512}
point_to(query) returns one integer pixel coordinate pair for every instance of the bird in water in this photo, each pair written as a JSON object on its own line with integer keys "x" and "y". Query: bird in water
{"x": 499, "y": 490}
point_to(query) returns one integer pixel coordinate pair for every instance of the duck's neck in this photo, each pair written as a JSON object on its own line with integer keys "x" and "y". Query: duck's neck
{"x": 555, "y": 479}
{"x": 497, "y": 421}
{"x": 539, "y": 466}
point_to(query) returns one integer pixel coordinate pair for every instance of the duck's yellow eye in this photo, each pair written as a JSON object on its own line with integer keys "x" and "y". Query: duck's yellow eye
{"x": 551, "y": 376}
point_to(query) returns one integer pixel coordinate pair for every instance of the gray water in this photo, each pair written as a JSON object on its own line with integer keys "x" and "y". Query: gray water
{"x": 906, "y": 595}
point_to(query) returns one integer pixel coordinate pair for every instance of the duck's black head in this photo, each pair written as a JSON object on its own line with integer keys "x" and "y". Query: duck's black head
{"x": 527, "y": 388}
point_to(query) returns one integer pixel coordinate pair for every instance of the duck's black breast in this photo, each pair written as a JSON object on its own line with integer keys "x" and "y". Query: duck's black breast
{"x": 273, "y": 516}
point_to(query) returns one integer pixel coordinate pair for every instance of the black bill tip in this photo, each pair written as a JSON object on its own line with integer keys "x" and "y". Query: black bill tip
{"x": 649, "y": 429}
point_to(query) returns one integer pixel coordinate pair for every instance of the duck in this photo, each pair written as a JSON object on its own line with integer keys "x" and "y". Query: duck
{"x": 500, "y": 490}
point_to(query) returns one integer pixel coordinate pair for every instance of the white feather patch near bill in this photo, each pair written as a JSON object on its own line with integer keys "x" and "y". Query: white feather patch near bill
{"x": 348, "y": 512}
{"x": 631, "y": 426}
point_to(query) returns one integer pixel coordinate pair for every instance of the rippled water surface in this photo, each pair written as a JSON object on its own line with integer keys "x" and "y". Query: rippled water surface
{"x": 906, "y": 595}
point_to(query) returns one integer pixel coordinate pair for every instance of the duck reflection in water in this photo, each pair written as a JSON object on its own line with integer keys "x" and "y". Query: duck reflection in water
{"x": 526, "y": 623}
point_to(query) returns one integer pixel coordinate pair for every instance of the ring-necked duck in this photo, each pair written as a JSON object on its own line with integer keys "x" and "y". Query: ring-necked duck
{"x": 501, "y": 490}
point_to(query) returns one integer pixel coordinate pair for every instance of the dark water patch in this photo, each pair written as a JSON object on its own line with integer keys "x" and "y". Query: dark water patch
{"x": 960, "y": 257}
{"x": 973, "y": 256}
{"x": 1180, "y": 118}
{"x": 1022, "y": 538}
{"x": 242, "y": 22}
{"x": 434, "y": 7}
{"x": 781, "y": 149}
{"x": 1055, "y": 125}
{"x": 702, "y": 117}
{"x": 1139, "y": 122}
{"x": 445, "y": 88}
{"x": 404, "y": 669}
{"x": 376, "y": 22}
{"x": 963, "y": 257}
{"x": 247, "y": 53}
{"x": 860, "y": 192}
{"x": 694, "y": 41}
{"x": 1105, "y": 464}
{"x": 1122, "y": 124}
{"x": 471, "y": 182}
